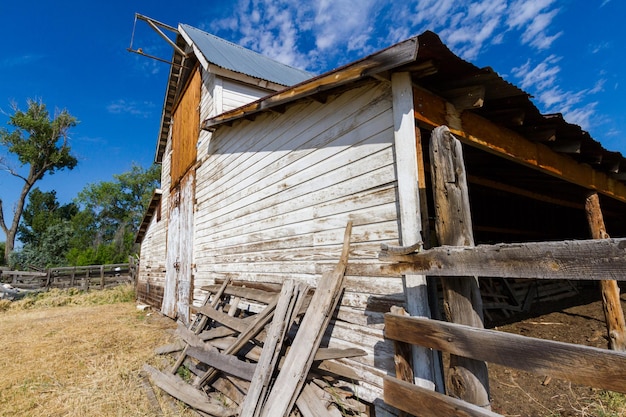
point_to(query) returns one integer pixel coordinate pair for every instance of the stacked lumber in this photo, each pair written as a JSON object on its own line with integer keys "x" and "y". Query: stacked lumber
{"x": 255, "y": 352}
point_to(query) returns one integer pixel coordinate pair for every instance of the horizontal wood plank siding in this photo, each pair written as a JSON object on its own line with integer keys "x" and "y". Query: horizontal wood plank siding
{"x": 151, "y": 272}
{"x": 237, "y": 94}
{"x": 273, "y": 197}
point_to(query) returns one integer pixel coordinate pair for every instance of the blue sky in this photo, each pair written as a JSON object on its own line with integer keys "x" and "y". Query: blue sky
{"x": 568, "y": 54}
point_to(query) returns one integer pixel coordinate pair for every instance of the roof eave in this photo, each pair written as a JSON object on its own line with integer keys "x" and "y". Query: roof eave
{"x": 387, "y": 59}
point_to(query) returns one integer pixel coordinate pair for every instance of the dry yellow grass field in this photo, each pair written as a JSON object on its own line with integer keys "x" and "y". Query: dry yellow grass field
{"x": 80, "y": 357}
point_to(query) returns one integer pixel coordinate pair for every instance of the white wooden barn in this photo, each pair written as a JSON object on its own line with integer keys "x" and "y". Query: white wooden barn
{"x": 260, "y": 176}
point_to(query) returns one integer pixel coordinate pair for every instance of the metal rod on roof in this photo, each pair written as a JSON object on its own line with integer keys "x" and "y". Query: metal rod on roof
{"x": 155, "y": 26}
{"x": 140, "y": 52}
{"x": 156, "y": 22}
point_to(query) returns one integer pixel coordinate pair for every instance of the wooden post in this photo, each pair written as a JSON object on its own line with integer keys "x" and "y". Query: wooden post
{"x": 613, "y": 314}
{"x": 467, "y": 379}
{"x": 415, "y": 286}
{"x": 101, "y": 277}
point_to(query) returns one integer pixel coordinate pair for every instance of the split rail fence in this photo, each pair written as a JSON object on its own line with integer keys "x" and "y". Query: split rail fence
{"x": 84, "y": 277}
{"x": 458, "y": 263}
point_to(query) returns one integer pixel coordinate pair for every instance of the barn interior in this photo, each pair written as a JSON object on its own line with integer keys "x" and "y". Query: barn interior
{"x": 528, "y": 177}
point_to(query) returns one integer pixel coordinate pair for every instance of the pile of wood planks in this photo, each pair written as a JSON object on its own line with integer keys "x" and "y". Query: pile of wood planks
{"x": 255, "y": 352}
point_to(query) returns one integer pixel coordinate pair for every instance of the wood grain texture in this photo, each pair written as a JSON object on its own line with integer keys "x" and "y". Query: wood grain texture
{"x": 425, "y": 403}
{"x": 410, "y": 214}
{"x": 585, "y": 365}
{"x": 467, "y": 378}
{"x": 570, "y": 259}
{"x": 476, "y": 131}
{"x": 177, "y": 388}
{"x": 611, "y": 303}
{"x": 299, "y": 359}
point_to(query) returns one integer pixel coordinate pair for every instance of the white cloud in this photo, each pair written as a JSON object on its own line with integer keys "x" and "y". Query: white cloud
{"x": 533, "y": 18}
{"x": 540, "y": 76}
{"x": 582, "y": 116}
{"x": 132, "y": 108}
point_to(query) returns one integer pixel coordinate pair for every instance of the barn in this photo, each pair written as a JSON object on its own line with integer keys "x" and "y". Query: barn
{"x": 264, "y": 165}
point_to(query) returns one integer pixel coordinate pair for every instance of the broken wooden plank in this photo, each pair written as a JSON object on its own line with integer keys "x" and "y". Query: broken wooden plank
{"x": 261, "y": 319}
{"x": 226, "y": 363}
{"x": 177, "y": 346}
{"x": 288, "y": 301}
{"x": 570, "y": 259}
{"x": 184, "y": 392}
{"x": 298, "y": 361}
{"x": 200, "y": 321}
{"x": 253, "y": 294}
{"x": 313, "y": 403}
{"x": 600, "y": 368}
{"x": 153, "y": 402}
{"x": 416, "y": 400}
{"x": 222, "y": 318}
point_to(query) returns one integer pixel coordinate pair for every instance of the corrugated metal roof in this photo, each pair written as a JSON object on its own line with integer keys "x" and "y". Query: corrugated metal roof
{"x": 236, "y": 58}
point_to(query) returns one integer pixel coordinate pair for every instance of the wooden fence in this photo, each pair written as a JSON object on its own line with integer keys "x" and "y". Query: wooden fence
{"x": 84, "y": 277}
{"x": 599, "y": 368}
{"x": 469, "y": 344}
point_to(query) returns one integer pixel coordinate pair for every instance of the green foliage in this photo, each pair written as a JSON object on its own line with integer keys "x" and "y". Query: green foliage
{"x": 35, "y": 138}
{"x": 42, "y": 211}
{"x": 40, "y": 143}
{"x": 2, "y": 245}
{"x": 110, "y": 214}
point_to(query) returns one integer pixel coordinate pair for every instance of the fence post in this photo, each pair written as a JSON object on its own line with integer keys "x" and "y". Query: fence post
{"x": 101, "y": 277}
{"x": 467, "y": 379}
{"x": 613, "y": 314}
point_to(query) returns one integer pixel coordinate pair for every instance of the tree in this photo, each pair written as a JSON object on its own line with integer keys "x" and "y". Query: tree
{"x": 45, "y": 231}
{"x": 110, "y": 214}
{"x": 41, "y": 144}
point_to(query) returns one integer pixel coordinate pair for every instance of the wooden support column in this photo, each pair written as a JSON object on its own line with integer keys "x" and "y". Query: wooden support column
{"x": 467, "y": 379}
{"x": 613, "y": 314}
{"x": 415, "y": 287}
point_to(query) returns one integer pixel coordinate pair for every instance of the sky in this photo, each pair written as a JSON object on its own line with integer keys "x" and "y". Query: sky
{"x": 568, "y": 54}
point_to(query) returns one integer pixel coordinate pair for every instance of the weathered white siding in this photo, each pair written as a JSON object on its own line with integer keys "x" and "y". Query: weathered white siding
{"x": 152, "y": 266}
{"x": 236, "y": 94}
{"x": 274, "y": 196}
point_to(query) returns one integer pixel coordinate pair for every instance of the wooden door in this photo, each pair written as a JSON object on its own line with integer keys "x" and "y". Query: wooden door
{"x": 179, "y": 274}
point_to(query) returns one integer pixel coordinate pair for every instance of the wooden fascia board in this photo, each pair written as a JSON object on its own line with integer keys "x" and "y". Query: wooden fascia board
{"x": 432, "y": 111}
{"x": 395, "y": 56}
{"x": 147, "y": 217}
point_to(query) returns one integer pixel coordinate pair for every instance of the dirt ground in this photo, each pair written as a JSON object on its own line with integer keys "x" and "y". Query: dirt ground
{"x": 575, "y": 320}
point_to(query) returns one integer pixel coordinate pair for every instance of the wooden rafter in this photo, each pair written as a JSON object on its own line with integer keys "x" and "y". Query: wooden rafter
{"x": 432, "y": 111}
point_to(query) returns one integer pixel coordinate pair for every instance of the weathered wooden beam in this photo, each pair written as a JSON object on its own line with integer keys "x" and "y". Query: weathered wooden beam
{"x": 570, "y": 259}
{"x": 179, "y": 389}
{"x": 472, "y": 129}
{"x": 600, "y": 368}
{"x": 286, "y": 311}
{"x": 416, "y": 400}
{"x": 611, "y": 303}
{"x": 229, "y": 364}
{"x": 298, "y": 361}
{"x": 467, "y": 378}
{"x": 415, "y": 286}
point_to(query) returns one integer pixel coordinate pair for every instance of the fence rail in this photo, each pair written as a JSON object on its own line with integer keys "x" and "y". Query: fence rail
{"x": 84, "y": 277}
{"x": 595, "y": 367}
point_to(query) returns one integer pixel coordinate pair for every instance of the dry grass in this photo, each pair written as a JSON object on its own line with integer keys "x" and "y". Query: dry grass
{"x": 80, "y": 359}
